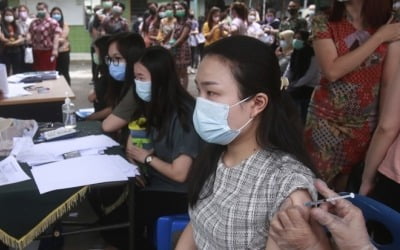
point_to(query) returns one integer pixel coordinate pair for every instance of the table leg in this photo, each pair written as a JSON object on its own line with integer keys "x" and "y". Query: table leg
{"x": 131, "y": 212}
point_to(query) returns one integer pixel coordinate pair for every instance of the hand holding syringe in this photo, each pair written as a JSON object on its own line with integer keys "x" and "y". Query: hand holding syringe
{"x": 318, "y": 202}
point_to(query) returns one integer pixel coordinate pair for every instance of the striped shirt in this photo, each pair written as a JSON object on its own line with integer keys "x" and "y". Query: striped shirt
{"x": 243, "y": 199}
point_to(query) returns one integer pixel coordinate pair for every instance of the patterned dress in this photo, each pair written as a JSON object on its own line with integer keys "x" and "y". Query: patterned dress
{"x": 182, "y": 52}
{"x": 343, "y": 114}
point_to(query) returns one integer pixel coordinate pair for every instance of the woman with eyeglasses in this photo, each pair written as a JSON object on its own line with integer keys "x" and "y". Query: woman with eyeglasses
{"x": 120, "y": 47}
{"x": 63, "y": 59}
{"x": 168, "y": 110}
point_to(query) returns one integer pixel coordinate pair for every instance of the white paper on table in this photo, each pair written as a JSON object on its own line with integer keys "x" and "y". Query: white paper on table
{"x": 20, "y": 144}
{"x": 129, "y": 169}
{"x": 77, "y": 172}
{"x": 11, "y": 171}
{"x": 15, "y": 90}
{"x": 53, "y": 151}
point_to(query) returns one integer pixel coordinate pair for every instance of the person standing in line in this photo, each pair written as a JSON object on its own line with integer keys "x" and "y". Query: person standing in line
{"x": 12, "y": 42}
{"x": 44, "y": 34}
{"x": 212, "y": 29}
{"x": 63, "y": 58}
{"x": 293, "y": 21}
{"x": 178, "y": 42}
{"x": 239, "y": 13}
{"x": 23, "y": 23}
{"x": 358, "y": 52}
{"x": 148, "y": 30}
{"x": 115, "y": 23}
{"x": 302, "y": 72}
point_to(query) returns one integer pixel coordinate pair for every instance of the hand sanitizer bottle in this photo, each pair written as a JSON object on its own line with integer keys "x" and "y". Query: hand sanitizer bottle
{"x": 68, "y": 110}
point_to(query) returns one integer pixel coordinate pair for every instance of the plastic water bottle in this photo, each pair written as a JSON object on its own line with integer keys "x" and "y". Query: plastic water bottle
{"x": 68, "y": 110}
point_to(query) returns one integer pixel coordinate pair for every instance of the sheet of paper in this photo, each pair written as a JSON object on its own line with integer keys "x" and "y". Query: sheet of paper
{"x": 21, "y": 143}
{"x": 15, "y": 90}
{"x": 11, "y": 172}
{"x": 53, "y": 151}
{"x": 129, "y": 169}
{"x": 78, "y": 171}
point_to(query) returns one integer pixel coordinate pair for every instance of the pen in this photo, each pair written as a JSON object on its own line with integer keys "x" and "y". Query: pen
{"x": 318, "y": 202}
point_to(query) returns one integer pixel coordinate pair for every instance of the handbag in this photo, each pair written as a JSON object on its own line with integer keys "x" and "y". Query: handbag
{"x": 28, "y": 57}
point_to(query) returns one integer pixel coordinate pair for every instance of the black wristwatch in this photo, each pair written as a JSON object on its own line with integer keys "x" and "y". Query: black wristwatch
{"x": 148, "y": 159}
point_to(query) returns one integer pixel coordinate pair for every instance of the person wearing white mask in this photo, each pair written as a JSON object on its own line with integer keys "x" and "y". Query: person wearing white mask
{"x": 254, "y": 28}
{"x": 168, "y": 109}
{"x": 23, "y": 22}
{"x": 255, "y": 162}
{"x": 11, "y": 41}
{"x": 115, "y": 23}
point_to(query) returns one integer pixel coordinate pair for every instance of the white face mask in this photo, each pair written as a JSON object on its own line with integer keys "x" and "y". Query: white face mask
{"x": 213, "y": 126}
{"x": 143, "y": 90}
{"x": 283, "y": 44}
{"x": 9, "y": 19}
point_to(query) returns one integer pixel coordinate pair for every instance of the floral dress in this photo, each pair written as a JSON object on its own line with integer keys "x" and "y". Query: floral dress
{"x": 182, "y": 52}
{"x": 343, "y": 114}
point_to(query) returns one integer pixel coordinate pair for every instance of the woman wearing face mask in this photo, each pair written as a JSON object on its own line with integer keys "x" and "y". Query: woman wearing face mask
{"x": 44, "y": 34}
{"x": 121, "y": 47}
{"x": 12, "y": 42}
{"x": 64, "y": 46}
{"x": 167, "y": 25}
{"x": 212, "y": 28}
{"x": 358, "y": 51}
{"x": 254, "y": 28}
{"x": 168, "y": 110}
{"x": 254, "y": 163}
{"x": 178, "y": 42}
{"x": 23, "y": 23}
{"x": 285, "y": 49}
{"x": 150, "y": 24}
{"x": 302, "y": 72}
{"x": 115, "y": 23}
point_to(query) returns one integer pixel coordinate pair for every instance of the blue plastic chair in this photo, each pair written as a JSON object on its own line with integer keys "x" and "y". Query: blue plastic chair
{"x": 376, "y": 211}
{"x": 166, "y": 227}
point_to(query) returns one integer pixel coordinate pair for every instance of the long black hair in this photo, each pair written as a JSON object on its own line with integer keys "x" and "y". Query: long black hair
{"x": 168, "y": 97}
{"x": 4, "y": 24}
{"x": 301, "y": 58}
{"x": 61, "y": 22}
{"x": 256, "y": 70}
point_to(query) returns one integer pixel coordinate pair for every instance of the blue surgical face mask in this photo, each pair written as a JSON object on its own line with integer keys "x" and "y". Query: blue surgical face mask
{"x": 213, "y": 126}
{"x": 117, "y": 71}
{"x": 56, "y": 17}
{"x": 143, "y": 90}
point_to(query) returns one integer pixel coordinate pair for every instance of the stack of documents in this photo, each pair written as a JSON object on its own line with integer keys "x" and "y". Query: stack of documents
{"x": 82, "y": 171}
{"x": 51, "y": 171}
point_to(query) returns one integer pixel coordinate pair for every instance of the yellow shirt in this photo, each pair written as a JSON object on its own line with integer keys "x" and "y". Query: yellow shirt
{"x": 212, "y": 37}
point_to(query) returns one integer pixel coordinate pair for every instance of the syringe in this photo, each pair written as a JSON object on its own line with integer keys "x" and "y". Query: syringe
{"x": 318, "y": 202}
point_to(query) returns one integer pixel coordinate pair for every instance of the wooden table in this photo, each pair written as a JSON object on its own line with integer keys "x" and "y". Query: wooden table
{"x": 42, "y": 107}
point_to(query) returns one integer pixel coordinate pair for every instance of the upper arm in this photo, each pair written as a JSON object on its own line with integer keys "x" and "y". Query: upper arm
{"x": 326, "y": 54}
{"x": 113, "y": 123}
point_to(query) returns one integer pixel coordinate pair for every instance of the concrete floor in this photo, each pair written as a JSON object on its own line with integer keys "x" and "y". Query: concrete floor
{"x": 80, "y": 72}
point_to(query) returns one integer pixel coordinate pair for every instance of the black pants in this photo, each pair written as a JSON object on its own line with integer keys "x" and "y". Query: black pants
{"x": 195, "y": 57}
{"x": 95, "y": 70}
{"x": 14, "y": 61}
{"x": 63, "y": 65}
